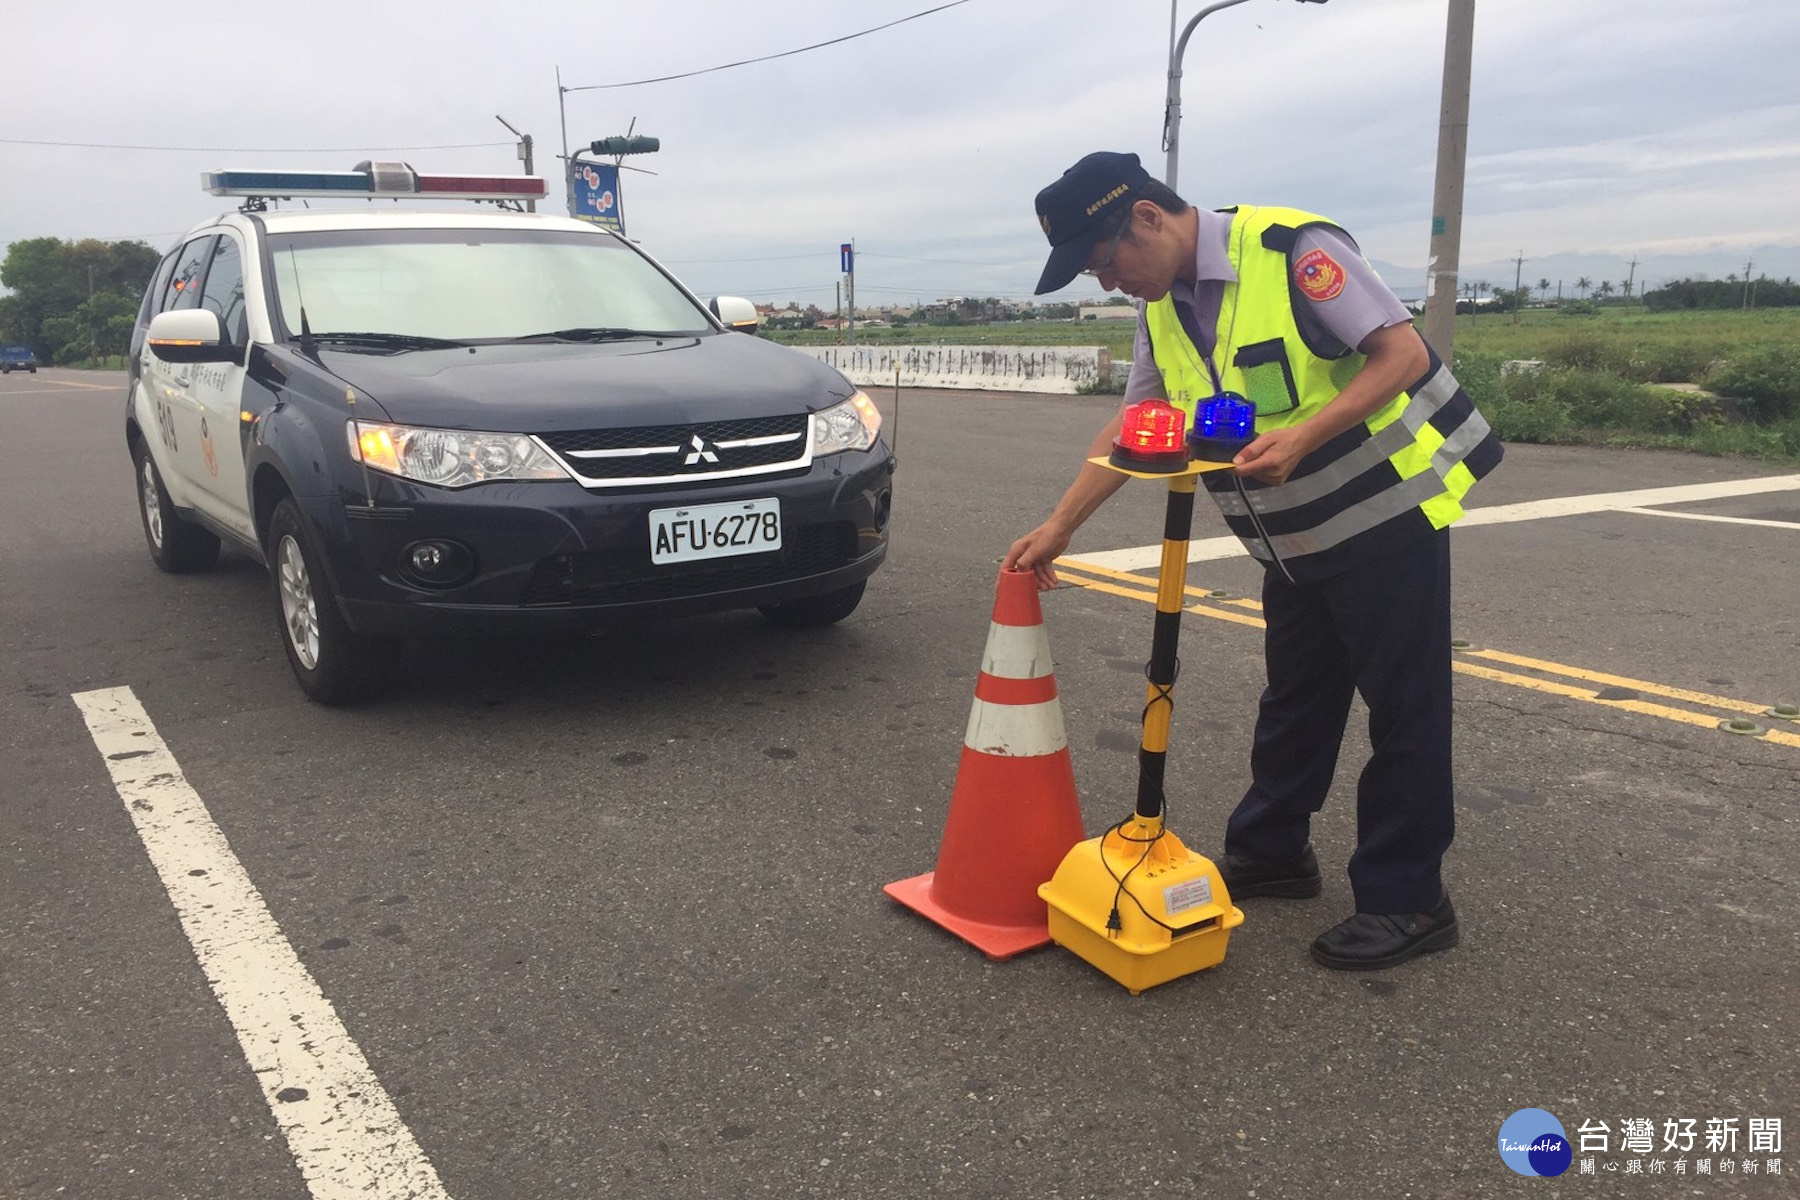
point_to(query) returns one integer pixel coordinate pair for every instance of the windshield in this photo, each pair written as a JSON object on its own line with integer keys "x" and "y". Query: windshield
{"x": 473, "y": 285}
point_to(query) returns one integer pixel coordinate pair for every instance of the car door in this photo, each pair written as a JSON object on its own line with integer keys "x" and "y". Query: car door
{"x": 173, "y": 415}
{"x": 215, "y": 392}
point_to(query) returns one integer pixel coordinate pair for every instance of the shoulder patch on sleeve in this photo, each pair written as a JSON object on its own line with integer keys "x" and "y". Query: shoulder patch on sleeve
{"x": 1318, "y": 275}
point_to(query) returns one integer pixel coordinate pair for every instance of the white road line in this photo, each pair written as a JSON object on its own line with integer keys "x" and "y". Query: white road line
{"x": 1658, "y": 512}
{"x": 342, "y": 1128}
{"x": 1571, "y": 506}
{"x": 1136, "y": 558}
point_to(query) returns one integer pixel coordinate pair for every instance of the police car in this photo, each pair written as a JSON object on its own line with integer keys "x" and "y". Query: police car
{"x": 479, "y": 420}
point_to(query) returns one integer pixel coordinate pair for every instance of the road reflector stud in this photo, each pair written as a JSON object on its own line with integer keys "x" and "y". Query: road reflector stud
{"x": 1461, "y": 644}
{"x": 1783, "y": 712}
{"x": 1013, "y": 811}
{"x": 1742, "y": 725}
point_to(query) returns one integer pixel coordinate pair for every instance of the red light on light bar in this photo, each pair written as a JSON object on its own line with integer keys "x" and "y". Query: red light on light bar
{"x": 1152, "y": 437}
{"x": 527, "y": 186}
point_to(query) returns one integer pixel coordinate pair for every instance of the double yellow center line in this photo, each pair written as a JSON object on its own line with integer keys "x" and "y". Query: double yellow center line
{"x": 1207, "y": 603}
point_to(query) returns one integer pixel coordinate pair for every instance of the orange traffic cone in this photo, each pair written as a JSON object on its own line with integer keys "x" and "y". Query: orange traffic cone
{"x": 1013, "y": 813}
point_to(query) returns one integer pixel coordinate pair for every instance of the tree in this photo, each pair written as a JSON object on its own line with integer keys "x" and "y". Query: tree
{"x": 1513, "y": 299}
{"x": 1543, "y": 288}
{"x": 1606, "y": 288}
{"x": 68, "y": 297}
{"x": 1586, "y": 285}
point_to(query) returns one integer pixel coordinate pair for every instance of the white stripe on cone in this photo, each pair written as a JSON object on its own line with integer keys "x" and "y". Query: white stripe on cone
{"x": 1017, "y": 652}
{"x": 1016, "y": 730}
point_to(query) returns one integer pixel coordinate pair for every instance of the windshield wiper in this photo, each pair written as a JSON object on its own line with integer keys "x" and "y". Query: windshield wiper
{"x": 599, "y": 333}
{"x": 389, "y": 341}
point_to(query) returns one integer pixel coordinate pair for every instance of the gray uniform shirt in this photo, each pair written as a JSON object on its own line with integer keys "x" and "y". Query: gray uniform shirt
{"x": 1364, "y": 305}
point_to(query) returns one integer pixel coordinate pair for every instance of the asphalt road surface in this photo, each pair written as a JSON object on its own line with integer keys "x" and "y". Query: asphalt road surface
{"x": 602, "y": 917}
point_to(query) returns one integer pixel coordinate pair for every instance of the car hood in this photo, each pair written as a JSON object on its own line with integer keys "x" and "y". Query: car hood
{"x": 547, "y": 388}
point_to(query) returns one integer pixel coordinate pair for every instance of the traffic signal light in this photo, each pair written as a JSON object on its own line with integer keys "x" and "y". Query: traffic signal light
{"x": 638, "y": 144}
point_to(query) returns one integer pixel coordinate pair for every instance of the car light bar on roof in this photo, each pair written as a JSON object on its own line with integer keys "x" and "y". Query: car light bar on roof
{"x": 373, "y": 179}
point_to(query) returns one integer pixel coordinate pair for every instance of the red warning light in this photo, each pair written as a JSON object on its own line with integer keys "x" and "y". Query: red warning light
{"x": 1152, "y": 437}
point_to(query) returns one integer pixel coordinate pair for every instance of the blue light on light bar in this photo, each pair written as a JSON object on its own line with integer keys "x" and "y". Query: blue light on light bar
{"x": 285, "y": 183}
{"x": 372, "y": 179}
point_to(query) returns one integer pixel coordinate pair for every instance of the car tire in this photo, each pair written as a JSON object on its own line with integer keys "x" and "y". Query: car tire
{"x": 333, "y": 664}
{"x": 176, "y": 545}
{"x": 812, "y": 612}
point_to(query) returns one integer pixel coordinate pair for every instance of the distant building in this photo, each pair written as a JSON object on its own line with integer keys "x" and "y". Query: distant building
{"x": 1107, "y": 312}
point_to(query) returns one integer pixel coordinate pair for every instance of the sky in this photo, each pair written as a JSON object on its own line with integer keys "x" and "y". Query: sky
{"x": 1601, "y": 132}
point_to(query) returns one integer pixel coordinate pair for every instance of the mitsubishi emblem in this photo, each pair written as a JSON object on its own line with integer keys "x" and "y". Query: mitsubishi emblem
{"x": 700, "y": 452}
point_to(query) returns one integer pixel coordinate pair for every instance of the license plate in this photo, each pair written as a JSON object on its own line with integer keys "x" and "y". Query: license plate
{"x": 714, "y": 530}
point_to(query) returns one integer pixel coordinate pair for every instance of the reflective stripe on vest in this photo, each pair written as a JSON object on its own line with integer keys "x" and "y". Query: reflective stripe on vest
{"x": 1426, "y": 440}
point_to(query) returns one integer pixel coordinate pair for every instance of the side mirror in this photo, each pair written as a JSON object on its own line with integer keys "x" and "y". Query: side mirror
{"x": 190, "y": 335}
{"x": 734, "y": 312}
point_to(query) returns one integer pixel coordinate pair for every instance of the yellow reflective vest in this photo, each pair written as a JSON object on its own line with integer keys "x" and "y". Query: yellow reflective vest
{"x": 1397, "y": 476}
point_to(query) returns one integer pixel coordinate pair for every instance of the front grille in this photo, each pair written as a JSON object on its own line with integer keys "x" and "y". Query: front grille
{"x": 675, "y": 445}
{"x": 629, "y": 577}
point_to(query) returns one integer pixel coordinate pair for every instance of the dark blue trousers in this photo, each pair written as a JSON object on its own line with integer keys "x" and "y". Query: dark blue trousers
{"x": 1381, "y": 629}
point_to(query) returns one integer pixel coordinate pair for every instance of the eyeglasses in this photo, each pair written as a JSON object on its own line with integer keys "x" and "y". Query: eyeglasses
{"x": 1112, "y": 249}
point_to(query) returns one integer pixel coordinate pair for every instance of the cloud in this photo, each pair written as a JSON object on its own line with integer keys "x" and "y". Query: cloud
{"x": 1646, "y": 127}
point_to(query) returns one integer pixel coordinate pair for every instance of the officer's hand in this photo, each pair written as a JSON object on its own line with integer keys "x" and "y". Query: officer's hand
{"x": 1035, "y": 552}
{"x": 1272, "y": 457}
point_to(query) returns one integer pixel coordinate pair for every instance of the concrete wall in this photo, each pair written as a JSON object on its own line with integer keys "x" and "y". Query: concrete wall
{"x": 1063, "y": 369}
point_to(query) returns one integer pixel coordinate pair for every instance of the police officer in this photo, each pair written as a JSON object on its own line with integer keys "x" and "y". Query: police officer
{"x": 1364, "y": 447}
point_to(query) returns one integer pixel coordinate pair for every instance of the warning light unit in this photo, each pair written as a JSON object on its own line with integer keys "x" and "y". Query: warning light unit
{"x": 1136, "y": 903}
{"x": 1152, "y": 439}
{"x": 374, "y": 180}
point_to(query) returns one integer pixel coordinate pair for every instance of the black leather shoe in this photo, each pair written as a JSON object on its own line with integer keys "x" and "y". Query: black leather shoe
{"x": 1373, "y": 942}
{"x": 1290, "y": 879}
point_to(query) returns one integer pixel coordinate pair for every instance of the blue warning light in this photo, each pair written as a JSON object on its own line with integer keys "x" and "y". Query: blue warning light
{"x": 1223, "y": 425}
{"x": 1227, "y": 415}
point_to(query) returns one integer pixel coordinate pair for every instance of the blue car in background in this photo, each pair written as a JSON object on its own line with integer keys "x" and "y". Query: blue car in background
{"x": 17, "y": 358}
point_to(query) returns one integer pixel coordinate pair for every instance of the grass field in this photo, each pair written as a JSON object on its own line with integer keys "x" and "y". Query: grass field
{"x": 1598, "y": 384}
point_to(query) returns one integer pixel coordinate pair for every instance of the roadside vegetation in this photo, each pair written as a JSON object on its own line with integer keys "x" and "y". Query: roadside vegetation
{"x": 1604, "y": 378}
{"x": 1585, "y": 373}
{"x": 74, "y": 303}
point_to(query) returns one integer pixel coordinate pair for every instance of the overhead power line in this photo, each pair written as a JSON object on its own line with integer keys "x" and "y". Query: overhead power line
{"x": 767, "y": 57}
{"x": 250, "y": 149}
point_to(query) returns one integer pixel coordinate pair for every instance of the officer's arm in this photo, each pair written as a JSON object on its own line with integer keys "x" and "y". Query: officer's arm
{"x": 1037, "y": 550}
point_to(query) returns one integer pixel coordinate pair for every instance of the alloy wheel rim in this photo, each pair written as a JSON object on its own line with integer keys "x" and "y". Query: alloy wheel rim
{"x": 153, "y": 519}
{"x": 299, "y": 614}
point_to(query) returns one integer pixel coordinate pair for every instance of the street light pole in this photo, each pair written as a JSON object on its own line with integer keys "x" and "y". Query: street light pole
{"x": 524, "y": 154}
{"x": 1172, "y": 104}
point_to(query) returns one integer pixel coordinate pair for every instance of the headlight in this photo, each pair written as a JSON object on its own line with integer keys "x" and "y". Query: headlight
{"x": 449, "y": 458}
{"x": 851, "y": 425}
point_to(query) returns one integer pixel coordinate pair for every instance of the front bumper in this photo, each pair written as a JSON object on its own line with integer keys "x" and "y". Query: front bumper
{"x": 556, "y": 556}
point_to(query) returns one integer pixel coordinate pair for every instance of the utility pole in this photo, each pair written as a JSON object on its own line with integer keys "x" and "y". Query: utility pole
{"x": 1447, "y": 195}
{"x": 1747, "y": 266}
{"x": 1630, "y": 274}
{"x": 524, "y": 154}
{"x": 1518, "y": 303}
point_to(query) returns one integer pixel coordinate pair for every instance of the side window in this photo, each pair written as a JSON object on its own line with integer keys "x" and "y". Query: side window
{"x": 153, "y": 294}
{"x": 224, "y": 293}
{"x": 184, "y": 284}
{"x": 152, "y": 302}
